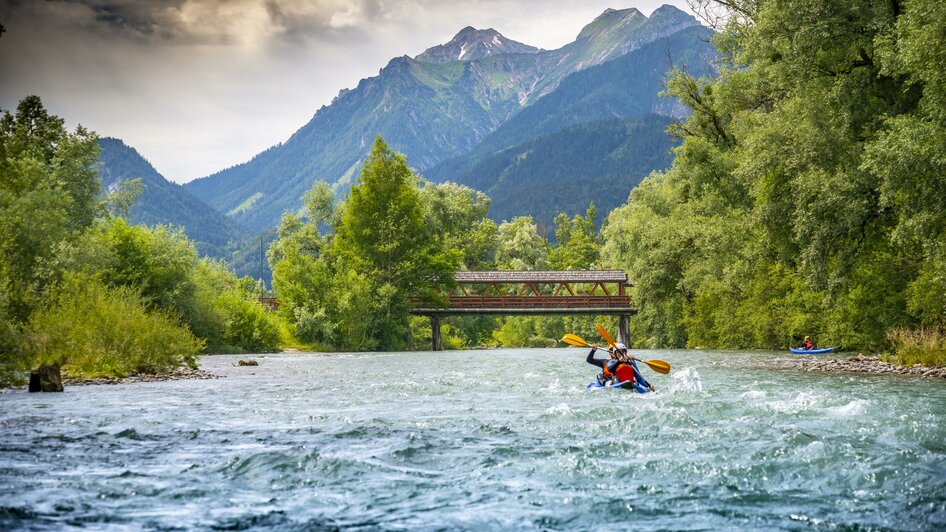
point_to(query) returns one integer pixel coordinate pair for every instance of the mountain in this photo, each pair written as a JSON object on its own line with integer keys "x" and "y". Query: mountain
{"x": 471, "y": 44}
{"x": 628, "y": 86}
{"x": 566, "y": 170}
{"x": 426, "y": 108}
{"x": 163, "y": 202}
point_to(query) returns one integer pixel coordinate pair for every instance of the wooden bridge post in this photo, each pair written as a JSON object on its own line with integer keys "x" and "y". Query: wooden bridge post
{"x": 435, "y": 333}
{"x": 624, "y": 330}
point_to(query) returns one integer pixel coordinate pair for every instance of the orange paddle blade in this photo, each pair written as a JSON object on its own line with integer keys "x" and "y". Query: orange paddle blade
{"x": 660, "y": 366}
{"x": 604, "y": 334}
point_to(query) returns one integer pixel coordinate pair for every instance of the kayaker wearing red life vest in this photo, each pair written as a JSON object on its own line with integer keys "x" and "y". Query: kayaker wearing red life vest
{"x": 603, "y": 378}
{"x": 807, "y": 343}
{"x": 620, "y": 369}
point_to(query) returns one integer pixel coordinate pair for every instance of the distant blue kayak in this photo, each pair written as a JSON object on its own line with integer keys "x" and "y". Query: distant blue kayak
{"x": 637, "y": 387}
{"x": 819, "y": 351}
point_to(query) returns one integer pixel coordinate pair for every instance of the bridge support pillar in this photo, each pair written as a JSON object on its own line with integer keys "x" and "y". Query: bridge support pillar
{"x": 435, "y": 333}
{"x": 624, "y": 330}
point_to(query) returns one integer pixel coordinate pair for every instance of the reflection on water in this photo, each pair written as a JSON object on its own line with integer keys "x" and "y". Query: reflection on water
{"x": 503, "y": 439}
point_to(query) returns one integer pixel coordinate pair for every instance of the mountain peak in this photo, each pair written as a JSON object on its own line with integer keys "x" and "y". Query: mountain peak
{"x": 470, "y": 43}
{"x": 670, "y": 14}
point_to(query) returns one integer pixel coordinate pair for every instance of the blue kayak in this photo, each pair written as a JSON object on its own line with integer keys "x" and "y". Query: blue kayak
{"x": 635, "y": 386}
{"x": 818, "y": 351}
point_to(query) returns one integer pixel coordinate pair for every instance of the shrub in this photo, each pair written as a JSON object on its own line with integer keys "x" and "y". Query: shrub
{"x": 248, "y": 326}
{"x": 97, "y": 331}
{"x": 920, "y": 346}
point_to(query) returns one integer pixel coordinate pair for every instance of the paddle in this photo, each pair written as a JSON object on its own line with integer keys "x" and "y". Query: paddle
{"x": 604, "y": 334}
{"x": 659, "y": 366}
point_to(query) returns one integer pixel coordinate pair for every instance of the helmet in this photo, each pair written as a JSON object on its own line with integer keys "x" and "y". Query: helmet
{"x": 807, "y": 337}
{"x": 620, "y": 347}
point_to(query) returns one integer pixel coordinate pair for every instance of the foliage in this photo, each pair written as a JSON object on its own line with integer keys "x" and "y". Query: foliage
{"x": 577, "y": 243}
{"x": 383, "y": 244}
{"x": 162, "y": 265}
{"x": 919, "y": 346}
{"x": 97, "y": 331}
{"x": 48, "y": 193}
{"x": 391, "y": 243}
{"x": 459, "y": 215}
{"x": 520, "y": 247}
{"x": 806, "y": 196}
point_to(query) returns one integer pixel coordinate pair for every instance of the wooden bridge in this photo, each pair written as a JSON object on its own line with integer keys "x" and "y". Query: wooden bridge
{"x": 594, "y": 292}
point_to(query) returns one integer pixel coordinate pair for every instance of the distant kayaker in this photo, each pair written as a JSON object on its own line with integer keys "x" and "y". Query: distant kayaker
{"x": 807, "y": 343}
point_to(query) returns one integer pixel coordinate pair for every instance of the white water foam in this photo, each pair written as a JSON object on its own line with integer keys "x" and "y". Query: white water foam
{"x": 560, "y": 409}
{"x": 686, "y": 380}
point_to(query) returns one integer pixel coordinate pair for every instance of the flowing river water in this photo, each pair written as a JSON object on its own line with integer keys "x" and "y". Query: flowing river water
{"x": 497, "y": 439}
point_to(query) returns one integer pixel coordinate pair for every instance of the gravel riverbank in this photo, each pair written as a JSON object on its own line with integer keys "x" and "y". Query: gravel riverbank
{"x": 867, "y": 364}
{"x": 177, "y": 374}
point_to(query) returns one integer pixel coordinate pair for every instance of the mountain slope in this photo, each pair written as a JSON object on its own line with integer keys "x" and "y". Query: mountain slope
{"x": 430, "y": 111}
{"x": 624, "y": 87}
{"x": 163, "y": 202}
{"x": 565, "y": 170}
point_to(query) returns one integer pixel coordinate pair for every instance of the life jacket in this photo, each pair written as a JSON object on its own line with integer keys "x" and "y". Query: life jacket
{"x": 624, "y": 373}
{"x": 606, "y": 371}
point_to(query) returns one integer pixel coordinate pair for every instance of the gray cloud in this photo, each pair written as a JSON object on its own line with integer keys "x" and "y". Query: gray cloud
{"x": 199, "y": 85}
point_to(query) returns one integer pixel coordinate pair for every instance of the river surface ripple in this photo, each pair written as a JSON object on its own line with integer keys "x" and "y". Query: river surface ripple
{"x": 499, "y": 439}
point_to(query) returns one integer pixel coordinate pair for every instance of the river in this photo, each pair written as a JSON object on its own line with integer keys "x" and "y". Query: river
{"x": 497, "y": 439}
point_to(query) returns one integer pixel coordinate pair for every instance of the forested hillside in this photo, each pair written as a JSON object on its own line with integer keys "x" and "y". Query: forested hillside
{"x": 809, "y": 192}
{"x": 164, "y": 203}
{"x": 564, "y": 171}
{"x": 430, "y": 111}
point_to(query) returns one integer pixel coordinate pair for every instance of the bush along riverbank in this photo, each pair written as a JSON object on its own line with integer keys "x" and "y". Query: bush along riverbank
{"x": 84, "y": 291}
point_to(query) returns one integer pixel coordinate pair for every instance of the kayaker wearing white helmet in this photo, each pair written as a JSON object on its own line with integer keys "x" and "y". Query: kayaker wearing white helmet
{"x": 623, "y": 361}
{"x": 614, "y": 370}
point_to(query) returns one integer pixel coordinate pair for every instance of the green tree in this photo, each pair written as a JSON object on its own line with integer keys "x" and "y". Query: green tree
{"x": 387, "y": 254}
{"x": 302, "y": 268}
{"x": 48, "y": 193}
{"x": 577, "y": 244}
{"x": 520, "y": 247}
{"x": 795, "y": 203}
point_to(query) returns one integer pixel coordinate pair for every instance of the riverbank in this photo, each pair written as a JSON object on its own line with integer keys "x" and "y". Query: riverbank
{"x": 182, "y": 373}
{"x": 867, "y": 364}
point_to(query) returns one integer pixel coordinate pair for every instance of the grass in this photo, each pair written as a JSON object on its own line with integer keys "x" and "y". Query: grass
{"x": 246, "y": 205}
{"x": 95, "y": 331}
{"x": 920, "y": 346}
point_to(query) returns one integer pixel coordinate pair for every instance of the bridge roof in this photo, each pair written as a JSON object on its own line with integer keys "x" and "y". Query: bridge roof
{"x": 542, "y": 276}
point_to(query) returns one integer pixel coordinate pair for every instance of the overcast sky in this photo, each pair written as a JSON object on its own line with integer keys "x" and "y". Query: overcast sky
{"x": 200, "y": 85}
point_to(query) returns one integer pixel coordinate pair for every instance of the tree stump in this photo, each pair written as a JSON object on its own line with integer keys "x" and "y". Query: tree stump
{"x": 46, "y": 378}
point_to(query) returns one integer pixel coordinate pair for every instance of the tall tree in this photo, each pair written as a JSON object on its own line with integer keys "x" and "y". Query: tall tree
{"x": 48, "y": 193}
{"x": 520, "y": 246}
{"x": 385, "y": 247}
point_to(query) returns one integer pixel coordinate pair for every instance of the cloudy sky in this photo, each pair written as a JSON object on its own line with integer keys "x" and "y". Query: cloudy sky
{"x": 200, "y": 85}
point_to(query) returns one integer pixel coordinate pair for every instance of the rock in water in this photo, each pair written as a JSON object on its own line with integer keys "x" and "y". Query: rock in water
{"x": 46, "y": 378}
{"x": 248, "y": 363}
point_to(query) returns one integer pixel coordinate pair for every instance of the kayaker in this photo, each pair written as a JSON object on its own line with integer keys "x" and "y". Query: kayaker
{"x": 634, "y": 379}
{"x": 807, "y": 343}
{"x": 603, "y": 378}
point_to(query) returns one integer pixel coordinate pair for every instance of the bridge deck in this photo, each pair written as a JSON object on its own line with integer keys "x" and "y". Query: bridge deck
{"x": 546, "y": 304}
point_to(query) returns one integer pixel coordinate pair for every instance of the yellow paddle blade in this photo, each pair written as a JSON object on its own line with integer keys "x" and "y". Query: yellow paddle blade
{"x": 575, "y": 340}
{"x": 660, "y": 366}
{"x": 604, "y": 334}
